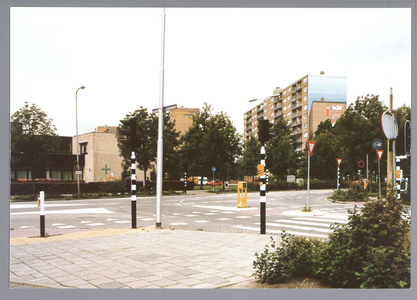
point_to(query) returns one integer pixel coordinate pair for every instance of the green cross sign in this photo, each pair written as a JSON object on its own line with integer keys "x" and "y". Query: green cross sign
{"x": 106, "y": 169}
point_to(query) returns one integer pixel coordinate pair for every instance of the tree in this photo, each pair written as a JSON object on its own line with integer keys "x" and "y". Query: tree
{"x": 211, "y": 141}
{"x": 280, "y": 153}
{"x": 146, "y": 141}
{"x": 33, "y": 139}
{"x": 356, "y": 129}
{"x": 251, "y": 156}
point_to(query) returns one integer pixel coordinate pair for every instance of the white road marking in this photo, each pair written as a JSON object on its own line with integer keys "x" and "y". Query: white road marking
{"x": 20, "y": 206}
{"x": 57, "y": 224}
{"x": 25, "y": 227}
{"x": 121, "y": 222}
{"x": 324, "y": 220}
{"x": 67, "y": 211}
{"x": 202, "y": 221}
{"x": 243, "y": 217}
{"x": 176, "y": 224}
{"x": 66, "y": 227}
{"x": 297, "y": 227}
{"x": 305, "y": 223}
{"x": 85, "y": 222}
{"x": 112, "y": 219}
{"x": 232, "y": 208}
{"x": 224, "y": 219}
{"x": 190, "y": 216}
{"x": 279, "y": 231}
{"x": 95, "y": 224}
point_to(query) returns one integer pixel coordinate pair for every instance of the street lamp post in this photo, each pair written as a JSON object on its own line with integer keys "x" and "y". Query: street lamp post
{"x": 76, "y": 132}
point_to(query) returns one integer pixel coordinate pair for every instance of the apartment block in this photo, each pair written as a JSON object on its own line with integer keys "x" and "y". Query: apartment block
{"x": 304, "y": 103}
{"x": 183, "y": 118}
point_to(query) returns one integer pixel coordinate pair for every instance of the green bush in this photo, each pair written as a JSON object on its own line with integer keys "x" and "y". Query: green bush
{"x": 355, "y": 193}
{"x": 371, "y": 251}
{"x": 296, "y": 257}
{"x": 112, "y": 187}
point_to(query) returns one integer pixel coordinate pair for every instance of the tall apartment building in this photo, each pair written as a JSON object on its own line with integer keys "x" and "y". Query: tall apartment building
{"x": 304, "y": 103}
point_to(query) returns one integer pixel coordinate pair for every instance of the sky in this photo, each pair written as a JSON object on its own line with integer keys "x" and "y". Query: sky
{"x": 219, "y": 56}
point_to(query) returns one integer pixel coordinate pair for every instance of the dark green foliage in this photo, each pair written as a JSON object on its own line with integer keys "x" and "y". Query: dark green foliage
{"x": 371, "y": 251}
{"x": 296, "y": 257}
{"x": 355, "y": 193}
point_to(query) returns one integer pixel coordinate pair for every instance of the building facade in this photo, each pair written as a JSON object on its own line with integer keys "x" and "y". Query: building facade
{"x": 304, "y": 103}
{"x": 183, "y": 118}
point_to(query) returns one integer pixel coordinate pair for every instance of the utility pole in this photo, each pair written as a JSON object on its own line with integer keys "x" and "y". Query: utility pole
{"x": 390, "y": 174}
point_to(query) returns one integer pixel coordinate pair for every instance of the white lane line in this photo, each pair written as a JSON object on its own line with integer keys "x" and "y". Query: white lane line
{"x": 190, "y": 216}
{"x": 57, "y": 224}
{"x": 297, "y": 227}
{"x": 112, "y": 220}
{"x": 231, "y": 208}
{"x": 121, "y": 222}
{"x": 243, "y": 217}
{"x": 67, "y": 211}
{"x": 66, "y": 227}
{"x": 305, "y": 223}
{"x": 224, "y": 219}
{"x": 20, "y": 206}
{"x": 95, "y": 224}
{"x": 26, "y": 227}
{"x": 323, "y": 220}
{"x": 85, "y": 222}
{"x": 202, "y": 221}
{"x": 176, "y": 224}
{"x": 279, "y": 231}
{"x": 147, "y": 219}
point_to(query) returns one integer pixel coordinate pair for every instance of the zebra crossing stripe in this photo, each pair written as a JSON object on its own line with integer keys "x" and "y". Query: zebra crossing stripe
{"x": 298, "y": 227}
{"x": 305, "y": 223}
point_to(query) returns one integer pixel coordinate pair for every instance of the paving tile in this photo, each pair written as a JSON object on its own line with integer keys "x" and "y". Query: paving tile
{"x": 111, "y": 285}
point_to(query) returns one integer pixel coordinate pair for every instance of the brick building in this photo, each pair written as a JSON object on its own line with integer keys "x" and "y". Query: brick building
{"x": 304, "y": 103}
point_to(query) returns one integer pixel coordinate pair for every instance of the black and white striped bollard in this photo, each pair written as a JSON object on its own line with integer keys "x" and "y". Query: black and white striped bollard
{"x": 133, "y": 190}
{"x": 262, "y": 189}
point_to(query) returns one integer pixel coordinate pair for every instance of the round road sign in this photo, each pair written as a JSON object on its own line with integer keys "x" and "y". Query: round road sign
{"x": 389, "y": 125}
{"x": 377, "y": 144}
{"x": 213, "y": 169}
{"x": 361, "y": 164}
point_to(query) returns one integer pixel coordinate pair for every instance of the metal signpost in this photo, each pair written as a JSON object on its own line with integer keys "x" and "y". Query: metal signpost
{"x": 310, "y": 145}
{"x": 379, "y": 153}
{"x": 339, "y": 161}
{"x": 213, "y": 169}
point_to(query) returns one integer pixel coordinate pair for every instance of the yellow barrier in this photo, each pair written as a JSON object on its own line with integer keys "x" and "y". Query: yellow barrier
{"x": 242, "y": 193}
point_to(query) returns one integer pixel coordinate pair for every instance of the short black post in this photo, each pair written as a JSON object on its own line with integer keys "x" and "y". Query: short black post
{"x": 42, "y": 212}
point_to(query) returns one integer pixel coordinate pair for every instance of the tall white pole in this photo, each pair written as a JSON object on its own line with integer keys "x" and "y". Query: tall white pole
{"x": 77, "y": 146}
{"x": 159, "y": 161}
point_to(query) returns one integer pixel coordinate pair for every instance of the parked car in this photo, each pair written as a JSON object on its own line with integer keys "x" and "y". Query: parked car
{"x": 216, "y": 182}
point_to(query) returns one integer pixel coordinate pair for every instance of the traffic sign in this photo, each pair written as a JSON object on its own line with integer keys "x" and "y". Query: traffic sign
{"x": 310, "y": 145}
{"x": 379, "y": 154}
{"x": 339, "y": 161}
{"x": 213, "y": 169}
{"x": 361, "y": 164}
{"x": 78, "y": 172}
{"x": 377, "y": 144}
{"x": 389, "y": 125}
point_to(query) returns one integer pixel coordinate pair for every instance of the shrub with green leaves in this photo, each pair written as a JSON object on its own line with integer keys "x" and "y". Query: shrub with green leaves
{"x": 372, "y": 250}
{"x": 355, "y": 193}
{"x": 296, "y": 257}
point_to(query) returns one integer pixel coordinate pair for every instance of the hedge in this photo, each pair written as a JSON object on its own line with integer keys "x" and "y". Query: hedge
{"x": 56, "y": 188}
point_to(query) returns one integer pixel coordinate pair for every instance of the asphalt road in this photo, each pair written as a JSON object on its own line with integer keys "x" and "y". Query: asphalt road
{"x": 194, "y": 211}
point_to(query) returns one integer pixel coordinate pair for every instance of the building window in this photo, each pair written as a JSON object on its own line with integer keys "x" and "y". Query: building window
{"x": 337, "y": 107}
{"x": 305, "y": 80}
{"x": 285, "y": 108}
{"x": 305, "y": 125}
{"x": 285, "y": 92}
{"x": 305, "y": 134}
{"x": 305, "y": 116}
{"x": 305, "y": 89}
{"x": 305, "y": 107}
{"x": 305, "y": 98}
{"x": 327, "y": 112}
{"x": 84, "y": 148}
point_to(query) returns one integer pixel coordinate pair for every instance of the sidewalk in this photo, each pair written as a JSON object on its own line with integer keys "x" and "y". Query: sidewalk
{"x": 135, "y": 258}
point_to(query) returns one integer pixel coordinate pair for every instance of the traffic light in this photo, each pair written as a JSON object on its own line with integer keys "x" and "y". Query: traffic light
{"x": 263, "y": 133}
{"x": 129, "y": 131}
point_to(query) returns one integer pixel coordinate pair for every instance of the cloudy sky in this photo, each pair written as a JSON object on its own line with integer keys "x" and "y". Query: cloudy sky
{"x": 223, "y": 57}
